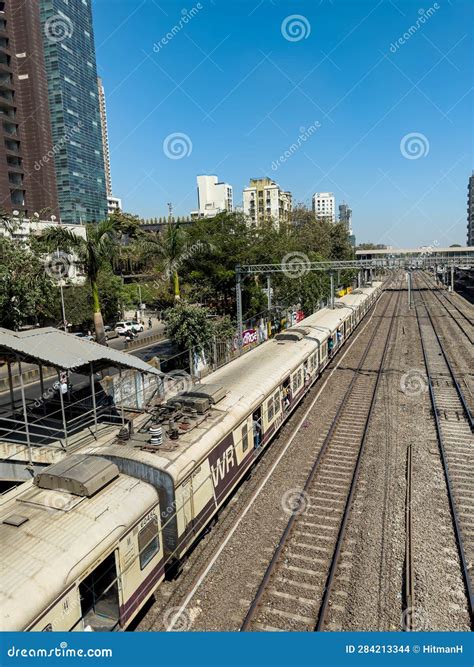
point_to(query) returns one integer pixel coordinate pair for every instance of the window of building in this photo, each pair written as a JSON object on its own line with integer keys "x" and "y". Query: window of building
{"x": 148, "y": 542}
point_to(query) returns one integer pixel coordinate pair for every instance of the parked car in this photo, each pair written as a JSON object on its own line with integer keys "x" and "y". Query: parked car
{"x": 110, "y": 332}
{"x": 128, "y": 325}
{"x": 81, "y": 334}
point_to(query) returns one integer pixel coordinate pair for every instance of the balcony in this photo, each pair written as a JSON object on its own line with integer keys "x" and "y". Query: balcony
{"x": 12, "y": 146}
{"x": 10, "y": 129}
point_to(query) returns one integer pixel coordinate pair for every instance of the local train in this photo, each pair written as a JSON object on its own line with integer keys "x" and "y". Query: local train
{"x": 88, "y": 540}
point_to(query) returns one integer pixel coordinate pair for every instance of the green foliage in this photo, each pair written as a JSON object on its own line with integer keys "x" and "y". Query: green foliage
{"x": 223, "y": 328}
{"x": 26, "y": 290}
{"x": 189, "y": 326}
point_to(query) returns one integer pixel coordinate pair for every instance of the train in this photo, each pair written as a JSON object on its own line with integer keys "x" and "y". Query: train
{"x": 87, "y": 542}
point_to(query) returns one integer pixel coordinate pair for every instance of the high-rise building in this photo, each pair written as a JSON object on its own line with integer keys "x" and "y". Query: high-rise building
{"x": 68, "y": 39}
{"x": 265, "y": 200}
{"x": 105, "y": 137}
{"x": 324, "y": 206}
{"x": 27, "y": 175}
{"x": 470, "y": 211}
{"x": 214, "y": 197}
{"x": 345, "y": 216}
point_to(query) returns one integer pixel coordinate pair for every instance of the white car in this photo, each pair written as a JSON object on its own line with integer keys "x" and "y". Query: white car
{"x": 128, "y": 325}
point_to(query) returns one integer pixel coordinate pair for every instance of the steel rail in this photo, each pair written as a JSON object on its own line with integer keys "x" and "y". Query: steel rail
{"x": 287, "y": 531}
{"x": 441, "y": 441}
{"x": 342, "y": 531}
{"x": 409, "y": 569}
{"x": 436, "y": 291}
{"x": 448, "y": 364}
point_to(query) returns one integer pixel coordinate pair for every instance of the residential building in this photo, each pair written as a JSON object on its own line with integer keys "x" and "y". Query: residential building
{"x": 345, "y": 216}
{"x": 113, "y": 204}
{"x": 470, "y": 211}
{"x": 27, "y": 175}
{"x": 213, "y": 197}
{"x": 105, "y": 137}
{"x": 265, "y": 200}
{"x": 22, "y": 229}
{"x": 68, "y": 39}
{"x": 324, "y": 206}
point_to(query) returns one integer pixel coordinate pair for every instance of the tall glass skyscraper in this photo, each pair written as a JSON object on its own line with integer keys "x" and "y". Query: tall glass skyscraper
{"x": 69, "y": 50}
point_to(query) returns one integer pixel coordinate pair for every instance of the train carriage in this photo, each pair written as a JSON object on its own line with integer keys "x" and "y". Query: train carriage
{"x": 120, "y": 539}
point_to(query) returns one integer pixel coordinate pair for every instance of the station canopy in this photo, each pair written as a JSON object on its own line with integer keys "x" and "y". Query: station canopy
{"x": 51, "y": 347}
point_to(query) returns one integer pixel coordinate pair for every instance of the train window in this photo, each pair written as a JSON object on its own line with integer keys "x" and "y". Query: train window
{"x": 245, "y": 438}
{"x": 277, "y": 402}
{"x": 270, "y": 409}
{"x": 148, "y": 542}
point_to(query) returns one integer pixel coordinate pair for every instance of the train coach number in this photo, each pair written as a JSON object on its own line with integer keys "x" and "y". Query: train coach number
{"x": 147, "y": 519}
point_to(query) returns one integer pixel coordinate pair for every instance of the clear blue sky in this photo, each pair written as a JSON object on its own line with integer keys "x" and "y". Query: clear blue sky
{"x": 232, "y": 81}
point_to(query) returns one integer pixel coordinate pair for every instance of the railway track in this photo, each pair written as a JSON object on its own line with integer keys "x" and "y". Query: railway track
{"x": 454, "y": 428}
{"x": 296, "y": 588}
{"x": 462, "y": 320}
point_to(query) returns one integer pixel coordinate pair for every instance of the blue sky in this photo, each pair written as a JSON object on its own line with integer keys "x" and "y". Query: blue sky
{"x": 242, "y": 80}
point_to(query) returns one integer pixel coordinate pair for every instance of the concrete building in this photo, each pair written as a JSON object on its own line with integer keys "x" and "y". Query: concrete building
{"x": 27, "y": 174}
{"x": 324, "y": 206}
{"x": 470, "y": 211}
{"x": 68, "y": 40}
{"x": 22, "y": 229}
{"x": 105, "y": 137}
{"x": 264, "y": 200}
{"x": 113, "y": 204}
{"x": 345, "y": 216}
{"x": 213, "y": 197}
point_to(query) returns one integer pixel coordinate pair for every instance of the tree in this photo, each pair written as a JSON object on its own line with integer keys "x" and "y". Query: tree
{"x": 94, "y": 253}
{"x": 167, "y": 248}
{"x": 26, "y": 290}
{"x": 189, "y": 326}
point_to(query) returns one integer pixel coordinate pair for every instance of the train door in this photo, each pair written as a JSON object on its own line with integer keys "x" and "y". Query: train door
{"x": 99, "y": 596}
{"x": 187, "y": 509}
{"x": 257, "y": 427}
{"x": 287, "y": 393}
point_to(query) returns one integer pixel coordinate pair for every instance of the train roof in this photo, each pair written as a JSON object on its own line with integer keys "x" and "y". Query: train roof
{"x": 245, "y": 381}
{"x": 49, "y": 537}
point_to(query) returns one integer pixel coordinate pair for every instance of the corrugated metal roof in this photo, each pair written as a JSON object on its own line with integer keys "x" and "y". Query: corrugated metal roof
{"x": 56, "y": 348}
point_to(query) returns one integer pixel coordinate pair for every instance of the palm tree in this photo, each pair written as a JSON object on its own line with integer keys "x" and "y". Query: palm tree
{"x": 167, "y": 247}
{"x": 93, "y": 252}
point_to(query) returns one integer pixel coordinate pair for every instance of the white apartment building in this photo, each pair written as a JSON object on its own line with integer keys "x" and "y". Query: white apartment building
{"x": 113, "y": 204}
{"x": 324, "y": 206}
{"x": 213, "y": 197}
{"x": 265, "y": 200}
{"x": 21, "y": 229}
